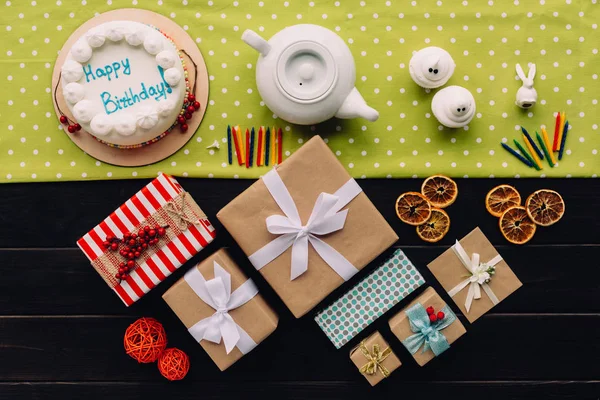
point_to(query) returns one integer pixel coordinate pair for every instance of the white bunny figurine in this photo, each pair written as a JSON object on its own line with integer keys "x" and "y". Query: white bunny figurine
{"x": 526, "y": 95}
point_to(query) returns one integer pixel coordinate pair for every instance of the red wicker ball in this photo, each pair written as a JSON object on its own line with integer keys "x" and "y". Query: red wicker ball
{"x": 173, "y": 364}
{"x": 145, "y": 340}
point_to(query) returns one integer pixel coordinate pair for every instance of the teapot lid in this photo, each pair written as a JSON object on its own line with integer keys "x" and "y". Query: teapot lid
{"x": 306, "y": 71}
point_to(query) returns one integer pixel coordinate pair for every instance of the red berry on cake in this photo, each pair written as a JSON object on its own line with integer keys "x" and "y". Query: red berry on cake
{"x": 184, "y": 127}
{"x": 190, "y": 109}
{"x": 71, "y": 128}
{"x": 188, "y": 115}
{"x": 77, "y": 127}
{"x": 63, "y": 119}
{"x": 191, "y": 98}
{"x": 197, "y": 105}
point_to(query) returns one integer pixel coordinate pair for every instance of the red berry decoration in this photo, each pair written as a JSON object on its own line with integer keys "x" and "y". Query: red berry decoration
{"x": 137, "y": 254}
{"x": 183, "y": 127}
{"x": 77, "y": 127}
{"x": 114, "y": 246}
{"x": 144, "y": 246}
{"x": 188, "y": 115}
{"x": 71, "y": 128}
{"x": 430, "y": 310}
{"x": 196, "y": 105}
{"x": 152, "y": 233}
{"x": 63, "y": 119}
{"x": 106, "y": 244}
{"x": 173, "y": 364}
{"x": 181, "y": 119}
{"x": 190, "y": 109}
{"x": 130, "y": 264}
{"x": 432, "y": 318}
{"x": 110, "y": 238}
{"x": 161, "y": 231}
{"x": 147, "y": 229}
{"x": 191, "y": 98}
{"x": 145, "y": 340}
{"x": 440, "y": 315}
{"x": 123, "y": 253}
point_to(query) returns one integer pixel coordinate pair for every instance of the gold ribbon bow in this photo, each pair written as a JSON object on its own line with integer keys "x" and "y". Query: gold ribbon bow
{"x": 376, "y": 357}
{"x": 182, "y": 219}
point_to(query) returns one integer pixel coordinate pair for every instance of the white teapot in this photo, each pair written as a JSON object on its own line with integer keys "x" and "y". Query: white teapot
{"x": 305, "y": 75}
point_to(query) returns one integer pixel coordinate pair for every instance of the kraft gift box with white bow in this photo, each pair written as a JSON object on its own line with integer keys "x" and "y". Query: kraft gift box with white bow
{"x": 474, "y": 275}
{"x": 307, "y": 226}
{"x": 222, "y": 309}
{"x": 423, "y": 338}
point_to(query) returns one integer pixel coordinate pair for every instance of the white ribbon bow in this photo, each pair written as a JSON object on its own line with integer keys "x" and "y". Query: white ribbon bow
{"x": 217, "y": 294}
{"x": 325, "y": 218}
{"x": 478, "y": 278}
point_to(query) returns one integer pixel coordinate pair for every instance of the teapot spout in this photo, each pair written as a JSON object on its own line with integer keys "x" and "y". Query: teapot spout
{"x": 355, "y": 107}
{"x": 255, "y": 41}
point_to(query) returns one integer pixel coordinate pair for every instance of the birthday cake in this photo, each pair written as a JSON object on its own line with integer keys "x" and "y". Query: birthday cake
{"x": 125, "y": 84}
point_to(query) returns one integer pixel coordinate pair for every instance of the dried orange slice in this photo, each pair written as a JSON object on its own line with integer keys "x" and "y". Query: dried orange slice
{"x": 501, "y": 198}
{"x": 545, "y": 207}
{"x": 516, "y": 226}
{"x": 413, "y": 208}
{"x": 440, "y": 190}
{"x": 436, "y": 226}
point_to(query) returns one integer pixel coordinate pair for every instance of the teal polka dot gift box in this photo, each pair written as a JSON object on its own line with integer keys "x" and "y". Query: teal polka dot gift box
{"x": 369, "y": 299}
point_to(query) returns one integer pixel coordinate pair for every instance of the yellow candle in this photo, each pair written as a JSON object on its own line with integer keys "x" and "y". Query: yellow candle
{"x": 533, "y": 153}
{"x": 273, "y": 153}
{"x": 548, "y": 146}
{"x": 242, "y": 142}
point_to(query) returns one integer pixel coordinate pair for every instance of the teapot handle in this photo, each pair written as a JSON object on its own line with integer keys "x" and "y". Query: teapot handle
{"x": 255, "y": 41}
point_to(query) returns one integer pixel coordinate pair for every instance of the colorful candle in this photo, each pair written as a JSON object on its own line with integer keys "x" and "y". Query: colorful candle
{"x": 548, "y": 146}
{"x": 247, "y": 148}
{"x": 229, "y": 154}
{"x": 240, "y": 136}
{"x": 563, "y": 140}
{"x": 259, "y": 148}
{"x": 238, "y": 151}
{"x": 532, "y": 153}
{"x": 556, "y": 143}
{"x": 279, "y": 146}
{"x": 544, "y": 149}
{"x": 251, "y": 146}
{"x": 517, "y": 155}
{"x": 560, "y": 130}
{"x": 532, "y": 143}
{"x": 525, "y": 154}
{"x": 273, "y": 146}
{"x": 267, "y": 146}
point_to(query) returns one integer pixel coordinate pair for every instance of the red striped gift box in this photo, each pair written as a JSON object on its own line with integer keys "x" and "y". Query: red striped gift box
{"x": 167, "y": 258}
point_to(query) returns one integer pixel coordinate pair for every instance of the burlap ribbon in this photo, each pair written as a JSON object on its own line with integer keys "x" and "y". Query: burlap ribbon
{"x": 177, "y": 214}
{"x": 375, "y": 359}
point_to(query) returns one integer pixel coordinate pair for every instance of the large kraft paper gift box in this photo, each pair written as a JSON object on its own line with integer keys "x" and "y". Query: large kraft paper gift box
{"x": 424, "y": 338}
{"x": 474, "y": 275}
{"x": 222, "y": 309}
{"x": 311, "y": 181}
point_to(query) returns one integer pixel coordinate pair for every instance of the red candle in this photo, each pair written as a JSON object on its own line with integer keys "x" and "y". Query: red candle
{"x": 556, "y": 130}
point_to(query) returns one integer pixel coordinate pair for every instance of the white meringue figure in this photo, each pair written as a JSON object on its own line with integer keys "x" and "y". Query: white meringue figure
{"x": 95, "y": 37}
{"x": 136, "y": 36}
{"x": 153, "y": 43}
{"x": 526, "y": 95}
{"x": 115, "y": 33}
{"x": 431, "y": 67}
{"x": 172, "y": 76}
{"x": 83, "y": 111}
{"x": 165, "y": 107}
{"x": 147, "y": 117}
{"x": 125, "y": 125}
{"x": 101, "y": 125}
{"x": 71, "y": 71}
{"x": 73, "y": 92}
{"x": 453, "y": 106}
{"x": 166, "y": 59}
{"x": 81, "y": 51}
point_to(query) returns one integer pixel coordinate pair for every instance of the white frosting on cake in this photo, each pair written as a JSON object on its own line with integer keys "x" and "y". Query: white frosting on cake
{"x": 101, "y": 125}
{"x": 95, "y": 37}
{"x": 172, "y": 76}
{"x": 123, "y": 82}
{"x": 71, "y": 71}
{"x": 73, "y": 92}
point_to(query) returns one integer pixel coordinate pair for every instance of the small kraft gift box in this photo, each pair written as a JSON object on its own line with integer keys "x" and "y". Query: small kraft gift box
{"x": 147, "y": 238}
{"x": 369, "y": 299}
{"x": 427, "y": 327}
{"x": 307, "y": 226}
{"x": 374, "y": 358}
{"x": 474, "y": 275}
{"x": 221, "y": 309}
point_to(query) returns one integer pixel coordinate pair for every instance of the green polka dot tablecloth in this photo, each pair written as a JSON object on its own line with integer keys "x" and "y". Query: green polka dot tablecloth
{"x": 369, "y": 299}
{"x": 485, "y": 37}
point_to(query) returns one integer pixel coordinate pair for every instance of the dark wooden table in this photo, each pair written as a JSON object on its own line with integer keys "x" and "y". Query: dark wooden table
{"x": 61, "y": 328}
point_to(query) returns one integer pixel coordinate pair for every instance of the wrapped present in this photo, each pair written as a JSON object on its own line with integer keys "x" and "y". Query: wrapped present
{"x": 473, "y": 266}
{"x": 147, "y": 238}
{"x": 427, "y": 327}
{"x": 369, "y": 299}
{"x": 221, "y": 309}
{"x": 374, "y": 358}
{"x": 307, "y": 226}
